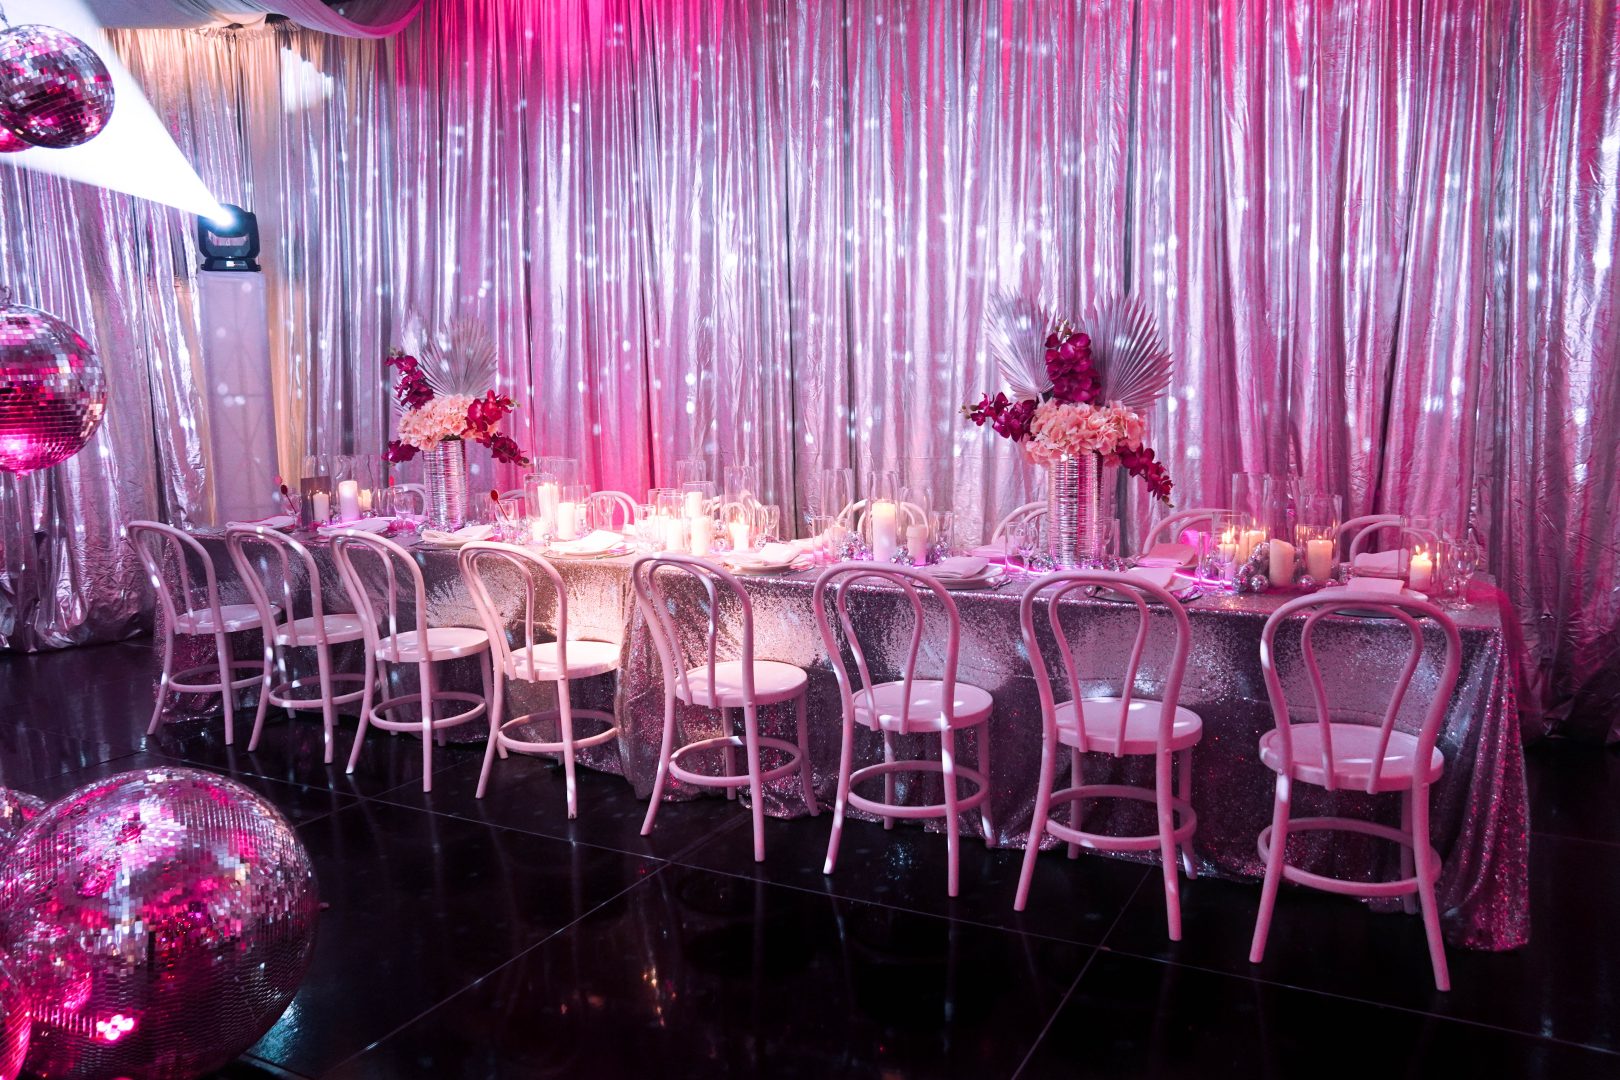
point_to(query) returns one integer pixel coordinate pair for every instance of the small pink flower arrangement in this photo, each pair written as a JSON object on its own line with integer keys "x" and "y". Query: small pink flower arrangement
{"x": 1068, "y": 416}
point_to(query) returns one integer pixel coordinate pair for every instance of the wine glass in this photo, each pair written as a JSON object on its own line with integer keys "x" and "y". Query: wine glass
{"x": 1026, "y": 540}
{"x": 1466, "y": 557}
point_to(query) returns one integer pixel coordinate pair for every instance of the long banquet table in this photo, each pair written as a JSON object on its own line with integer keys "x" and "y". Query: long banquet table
{"x": 1480, "y": 817}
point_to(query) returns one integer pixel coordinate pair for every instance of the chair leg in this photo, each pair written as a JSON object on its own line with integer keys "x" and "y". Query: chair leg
{"x": 953, "y": 824}
{"x": 496, "y": 708}
{"x": 163, "y": 681}
{"x": 323, "y": 665}
{"x": 1424, "y": 858}
{"x": 565, "y": 709}
{"x": 806, "y": 773}
{"x": 755, "y": 792}
{"x": 222, "y": 649}
{"x": 281, "y": 673}
{"x": 1189, "y": 861}
{"x": 1409, "y": 902}
{"x": 1163, "y": 797}
{"x": 270, "y": 654}
{"x": 1037, "y": 824}
{"x": 888, "y": 777}
{"x": 728, "y": 752}
{"x": 846, "y": 764}
{"x": 1075, "y": 768}
{"x": 429, "y": 688}
{"x": 663, "y": 765}
{"x": 373, "y": 672}
{"x": 986, "y": 818}
{"x": 1274, "y": 866}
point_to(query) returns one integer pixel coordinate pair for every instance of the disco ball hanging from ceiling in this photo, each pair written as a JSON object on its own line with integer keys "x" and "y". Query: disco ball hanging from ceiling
{"x": 161, "y": 920}
{"x": 52, "y": 389}
{"x": 54, "y": 90}
{"x": 10, "y": 143}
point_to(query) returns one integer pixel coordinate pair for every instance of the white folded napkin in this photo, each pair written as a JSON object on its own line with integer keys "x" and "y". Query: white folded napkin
{"x": 773, "y": 555}
{"x": 1168, "y": 555}
{"x": 593, "y": 543}
{"x": 274, "y": 521}
{"x": 1373, "y": 586}
{"x": 994, "y": 552}
{"x": 1380, "y": 562}
{"x": 1161, "y": 576}
{"x": 370, "y": 525}
{"x": 464, "y": 535}
{"x": 960, "y": 568}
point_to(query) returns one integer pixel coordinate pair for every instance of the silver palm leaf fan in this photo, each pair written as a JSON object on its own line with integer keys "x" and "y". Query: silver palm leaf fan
{"x": 460, "y": 360}
{"x": 1015, "y": 331}
{"x": 1126, "y": 350}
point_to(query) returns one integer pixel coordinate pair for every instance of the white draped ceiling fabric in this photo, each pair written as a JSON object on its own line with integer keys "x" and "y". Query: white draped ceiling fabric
{"x": 1378, "y": 238}
{"x": 352, "y": 18}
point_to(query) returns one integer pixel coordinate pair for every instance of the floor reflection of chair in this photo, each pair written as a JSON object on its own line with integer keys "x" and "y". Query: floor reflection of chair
{"x": 559, "y": 661}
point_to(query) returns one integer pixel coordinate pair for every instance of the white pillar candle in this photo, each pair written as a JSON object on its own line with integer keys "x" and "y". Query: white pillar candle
{"x": 885, "y": 530}
{"x": 917, "y": 544}
{"x": 349, "y": 500}
{"x": 1282, "y": 563}
{"x": 1227, "y": 548}
{"x": 675, "y": 534}
{"x": 537, "y": 531}
{"x": 547, "y": 510}
{"x": 1252, "y": 538}
{"x": 1319, "y": 559}
{"x": 365, "y": 500}
{"x": 694, "y": 504}
{"x": 567, "y": 521}
{"x": 702, "y": 535}
{"x": 739, "y": 535}
{"x": 322, "y": 503}
{"x": 1421, "y": 573}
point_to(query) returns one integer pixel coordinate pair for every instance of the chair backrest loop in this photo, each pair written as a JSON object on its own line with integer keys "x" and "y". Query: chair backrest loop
{"x": 653, "y": 578}
{"x": 350, "y": 549}
{"x": 167, "y": 555}
{"x": 535, "y": 574}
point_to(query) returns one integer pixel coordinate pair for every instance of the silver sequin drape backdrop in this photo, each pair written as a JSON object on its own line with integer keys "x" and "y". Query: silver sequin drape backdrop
{"x": 1378, "y": 236}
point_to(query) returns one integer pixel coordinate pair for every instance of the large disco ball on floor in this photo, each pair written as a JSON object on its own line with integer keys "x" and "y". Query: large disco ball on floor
{"x": 54, "y": 90}
{"x": 161, "y": 921}
{"x": 52, "y": 389}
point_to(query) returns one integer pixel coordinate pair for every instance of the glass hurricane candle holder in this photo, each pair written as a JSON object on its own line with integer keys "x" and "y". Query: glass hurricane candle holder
{"x": 1224, "y": 558}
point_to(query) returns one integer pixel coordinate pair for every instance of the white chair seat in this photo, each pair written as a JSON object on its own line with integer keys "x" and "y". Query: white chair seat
{"x": 773, "y": 681}
{"x": 585, "y": 658}
{"x": 883, "y": 707}
{"x": 339, "y": 628}
{"x": 1141, "y": 726}
{"x": 443, "y": 643}
{"x": 1354, "y": 746}
{"x": 233, "y": 616}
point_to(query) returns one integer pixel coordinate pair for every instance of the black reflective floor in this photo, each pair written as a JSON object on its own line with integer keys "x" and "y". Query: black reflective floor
{"x": 496, "y": 938}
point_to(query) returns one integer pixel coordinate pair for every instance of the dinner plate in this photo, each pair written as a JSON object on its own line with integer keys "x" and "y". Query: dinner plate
{"x": 987, "y": 580}
{"x": 1373, "y": 613}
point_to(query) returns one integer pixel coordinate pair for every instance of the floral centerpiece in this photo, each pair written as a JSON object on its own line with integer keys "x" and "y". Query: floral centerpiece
{"x": 441, "y": 410}
{"x": 1078, "y": 394}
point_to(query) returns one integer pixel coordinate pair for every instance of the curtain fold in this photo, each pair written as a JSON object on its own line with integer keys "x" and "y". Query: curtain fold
{"x": 1378, "y": 239}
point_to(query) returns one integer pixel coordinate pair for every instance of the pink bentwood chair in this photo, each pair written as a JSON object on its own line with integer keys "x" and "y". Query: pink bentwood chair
{"x": 611, "y": 510}
{"x": 1344, "y": 755}
{"x": 421, "y": 645}
{"x": 1126, "y": 725}
{"x": 905, "y": 706}
{"x": 1362, "y": 529}
{"x": 1171, "y": 527}
{"x": 318, "y": 630}
{"x": 1030, "y": 511}
{"x": 557, "y": 661}
{"x": 195, "y": 610}
{"x": 745, "y": 684}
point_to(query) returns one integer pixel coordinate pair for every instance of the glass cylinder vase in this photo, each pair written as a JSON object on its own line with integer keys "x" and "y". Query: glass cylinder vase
{"x": 1074, "y": 526}
{"x": 444, "y": 472}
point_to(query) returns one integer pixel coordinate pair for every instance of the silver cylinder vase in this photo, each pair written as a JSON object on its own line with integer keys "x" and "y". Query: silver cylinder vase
{"x": 444, "y": 475}
{"x": 1074, "y": 525}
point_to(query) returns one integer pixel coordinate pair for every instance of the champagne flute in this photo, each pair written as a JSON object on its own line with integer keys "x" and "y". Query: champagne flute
{"x": 1466, "y": 557}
